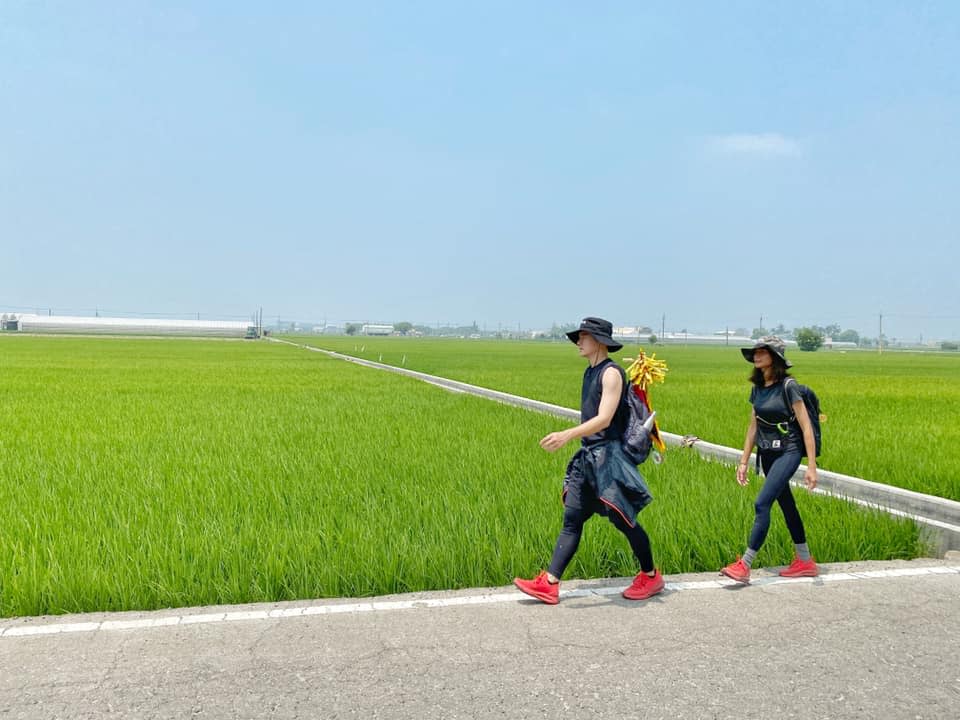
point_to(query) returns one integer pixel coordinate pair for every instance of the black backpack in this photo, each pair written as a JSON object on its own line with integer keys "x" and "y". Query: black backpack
{"x": 812, "y": 403}
{"x": 638, "y": 433}
{"x": 639, "y": 428}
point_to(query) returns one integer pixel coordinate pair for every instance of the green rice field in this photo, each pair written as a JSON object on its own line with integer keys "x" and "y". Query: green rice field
{"x": 141, "y": 474}
{"x": 893, "y": 418}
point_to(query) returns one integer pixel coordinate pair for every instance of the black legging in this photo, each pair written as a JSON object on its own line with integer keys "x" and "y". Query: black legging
{"x": 569, "y": 539}
{"x": 778, "y": 469}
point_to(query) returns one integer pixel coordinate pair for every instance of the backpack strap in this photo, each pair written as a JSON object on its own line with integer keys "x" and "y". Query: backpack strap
{"x": 786, "y": 399}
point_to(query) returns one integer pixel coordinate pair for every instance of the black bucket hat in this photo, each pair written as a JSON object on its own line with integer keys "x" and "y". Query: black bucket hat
{"x": 773, "y": 344}
{"x": 600, "y": 329}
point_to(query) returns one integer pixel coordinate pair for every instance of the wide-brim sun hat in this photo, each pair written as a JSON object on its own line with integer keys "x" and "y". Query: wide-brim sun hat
{"x": 600, "y": 329}
{"x": 773, "y": 345}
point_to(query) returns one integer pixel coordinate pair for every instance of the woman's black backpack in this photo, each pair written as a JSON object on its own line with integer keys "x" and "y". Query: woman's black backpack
{"x": 812, "y": 403}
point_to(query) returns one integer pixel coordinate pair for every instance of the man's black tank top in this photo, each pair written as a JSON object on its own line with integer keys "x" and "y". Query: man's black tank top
{"x": 590, "y": 394}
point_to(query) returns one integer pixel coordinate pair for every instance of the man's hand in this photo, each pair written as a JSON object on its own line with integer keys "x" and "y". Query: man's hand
{"x": 555, "y": 440}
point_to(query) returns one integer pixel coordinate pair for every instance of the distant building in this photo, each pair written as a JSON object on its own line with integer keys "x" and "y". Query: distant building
{"x": 721, "y": 338}
{"x": 71, "y": 325}
{"x": 831, "y": 344}
{"x": 632, "y": 334}
{"x": 329, "y": 329}
{"x": 372, "y": 329}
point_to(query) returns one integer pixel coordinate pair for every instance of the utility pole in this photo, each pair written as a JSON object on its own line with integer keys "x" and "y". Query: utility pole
{"x": 880, "y": 337}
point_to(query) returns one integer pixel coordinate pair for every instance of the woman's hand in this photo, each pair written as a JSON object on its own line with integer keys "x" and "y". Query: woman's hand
{"x": 742, "y": 470}
{"x": 555, "y": 440}
{"x": 810, "y": 478}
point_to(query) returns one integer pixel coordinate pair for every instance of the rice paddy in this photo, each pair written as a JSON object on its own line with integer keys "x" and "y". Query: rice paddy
{"x": 140, "y": 474}
{"x": 893, "y": 418}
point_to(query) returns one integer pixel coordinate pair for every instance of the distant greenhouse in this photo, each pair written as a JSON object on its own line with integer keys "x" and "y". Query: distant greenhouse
{"x": 71, "y": 325}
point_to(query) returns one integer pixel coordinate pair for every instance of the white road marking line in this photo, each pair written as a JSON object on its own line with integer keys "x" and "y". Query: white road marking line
{"x": 28, "y": 630}
{"x": 203, "y": 618}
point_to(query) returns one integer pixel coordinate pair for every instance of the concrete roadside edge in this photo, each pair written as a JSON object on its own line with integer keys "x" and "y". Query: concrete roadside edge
{"x": 875, "y": 570}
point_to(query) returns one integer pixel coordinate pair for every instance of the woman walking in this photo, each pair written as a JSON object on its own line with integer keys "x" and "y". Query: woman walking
{"x": 599, "y": 478}
{"x": 781, "y": 430}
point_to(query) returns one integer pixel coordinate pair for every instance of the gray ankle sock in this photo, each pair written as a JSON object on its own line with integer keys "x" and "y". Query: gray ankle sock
{"x": 748, "y": 557}
{"x": 803, "y": 552}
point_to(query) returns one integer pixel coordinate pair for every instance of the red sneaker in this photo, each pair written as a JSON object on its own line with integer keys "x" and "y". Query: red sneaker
{"x": 801, "y": 568}
{"x": 737, "y": 571}
{"x": 644, "y": 586}
{"x": 540, "y": 588}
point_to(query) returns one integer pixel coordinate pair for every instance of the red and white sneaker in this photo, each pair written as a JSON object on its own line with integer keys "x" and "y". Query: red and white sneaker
{"x": 801, "y": 568}
{"x": 737, "y": 571}
{"x": 644, "y": 586}
{"x": 540, "y": 588}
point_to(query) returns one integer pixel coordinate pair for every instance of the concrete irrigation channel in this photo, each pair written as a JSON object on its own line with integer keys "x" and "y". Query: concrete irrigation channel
{"x": 939, "y": 518}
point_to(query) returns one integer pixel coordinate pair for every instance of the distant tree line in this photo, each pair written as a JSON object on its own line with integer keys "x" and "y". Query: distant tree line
{"x": 813, "y": 337}
{"x": 809, "y": 338}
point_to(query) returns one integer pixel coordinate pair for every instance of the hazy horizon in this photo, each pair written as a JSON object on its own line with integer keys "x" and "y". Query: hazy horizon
{"x": 308, "y": 324}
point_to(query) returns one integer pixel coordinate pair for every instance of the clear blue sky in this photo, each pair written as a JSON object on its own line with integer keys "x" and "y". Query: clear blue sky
{"x": 498, "y": 162}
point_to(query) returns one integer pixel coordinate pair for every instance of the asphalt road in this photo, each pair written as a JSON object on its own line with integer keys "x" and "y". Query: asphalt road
{"x": 865, "y": 640}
